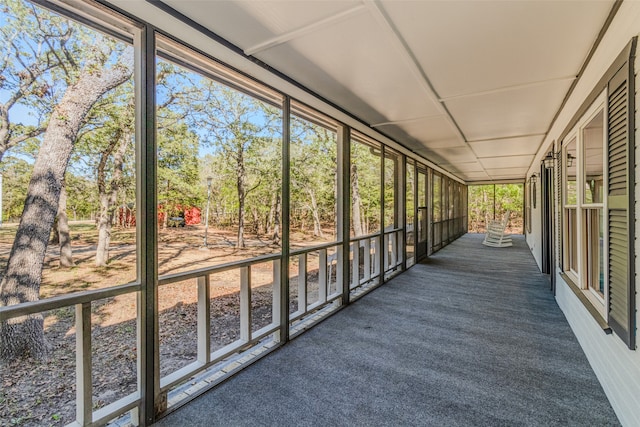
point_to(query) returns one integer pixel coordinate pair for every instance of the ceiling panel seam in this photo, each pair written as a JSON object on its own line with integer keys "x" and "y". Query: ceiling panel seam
{"x": 415, "y": 119}
{"x": 503, "y": 156}
{"x": 605, "y": 27}
{"x": 507, "y": 88}
{"x": 500, "y": 138}
{"x": 409, "y": 57}
{"x": 304, "y": 30}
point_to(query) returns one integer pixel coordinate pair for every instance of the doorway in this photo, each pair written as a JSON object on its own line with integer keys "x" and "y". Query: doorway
{"x": 546, "y": 187}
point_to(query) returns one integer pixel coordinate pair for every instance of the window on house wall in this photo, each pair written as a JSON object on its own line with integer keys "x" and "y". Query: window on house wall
{"x": 593, "y": 187}
{"x": 570, "y": 206}
{"x": 584, "y": 243}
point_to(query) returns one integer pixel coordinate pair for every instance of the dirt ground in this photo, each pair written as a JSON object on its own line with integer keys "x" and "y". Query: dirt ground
{"x": 42, "y": 393}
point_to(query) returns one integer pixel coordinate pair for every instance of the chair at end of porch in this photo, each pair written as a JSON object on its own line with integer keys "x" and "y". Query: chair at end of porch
{"x": 496, "y": 236}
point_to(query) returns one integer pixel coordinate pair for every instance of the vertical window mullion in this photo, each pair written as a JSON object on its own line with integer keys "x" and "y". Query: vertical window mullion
{"x": 286, "y": 211}
{"x": 344, "y": 209}
{"x": 148, "y": 357}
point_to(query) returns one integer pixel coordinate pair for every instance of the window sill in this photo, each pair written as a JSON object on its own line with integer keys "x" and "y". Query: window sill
{"x": 587, "y": 303}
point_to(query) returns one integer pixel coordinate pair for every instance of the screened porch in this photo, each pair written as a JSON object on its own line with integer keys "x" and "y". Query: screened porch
{"x": 472, "y": 336}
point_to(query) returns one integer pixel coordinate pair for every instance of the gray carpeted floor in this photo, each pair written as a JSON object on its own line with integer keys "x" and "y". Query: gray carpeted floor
{"x": 472, "y": 337}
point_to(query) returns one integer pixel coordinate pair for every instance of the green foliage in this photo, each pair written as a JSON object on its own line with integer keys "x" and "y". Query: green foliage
{"x": 313, "y": 173}
{"x": 367, "y": 160}
{"x": 437, "y": 197}
{"x": 411, "y": 196}
{"x": 16, "y": 173}
{"x": 178, "y": 169}
{"x": 82, "y": 196}
{"x": 484, "y": 207}
{"x": 204, "y": 129}
{"x": 391, "y": 166}
{"x": 239, "y": 131}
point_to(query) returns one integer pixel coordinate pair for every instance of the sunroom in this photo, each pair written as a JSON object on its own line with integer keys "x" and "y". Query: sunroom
{"x": 188, "y": 187}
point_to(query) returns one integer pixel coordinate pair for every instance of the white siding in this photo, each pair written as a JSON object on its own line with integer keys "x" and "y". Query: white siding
{"x": 617, "y": 367}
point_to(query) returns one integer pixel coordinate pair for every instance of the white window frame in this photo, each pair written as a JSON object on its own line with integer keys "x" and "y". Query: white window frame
{"x": 580, "y": 277}
{"x": 573, "y": 274}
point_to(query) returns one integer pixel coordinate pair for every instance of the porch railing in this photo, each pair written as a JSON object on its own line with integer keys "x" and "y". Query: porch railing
{"x": 317, "y": 290}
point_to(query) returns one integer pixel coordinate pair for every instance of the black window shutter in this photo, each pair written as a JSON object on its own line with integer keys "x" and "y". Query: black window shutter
{"x": 620, "y": 201}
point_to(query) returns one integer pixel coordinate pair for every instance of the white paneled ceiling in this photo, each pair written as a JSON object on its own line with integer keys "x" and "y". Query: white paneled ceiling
{"x": 471, "y": 85}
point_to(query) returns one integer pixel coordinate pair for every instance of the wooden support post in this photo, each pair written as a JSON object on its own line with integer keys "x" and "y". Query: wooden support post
{"x": 204, "y": 320}
{"x": 355, "y": 265}
{"x": 377, "y": 259}
{"x": 367, "y": 258}
{"x": 84, "y": 386}
{"x": 342, "y": 276}
{"x": 385, "y": 253}
{"x": 277, "y": 297}
{"x": 323, "y": 283}
{"x": 245, "y": 304}
{"x": 302, "y": 283}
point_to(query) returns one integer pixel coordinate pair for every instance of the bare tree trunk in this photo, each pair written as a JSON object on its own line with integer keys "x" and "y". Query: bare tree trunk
{"x": 241, "y": 184}
{"x": 356, "y": 202}
{"x": 104, "y": 232}
{"x": 272, "y": 213}
{"x": 317, "y": 228}
{"x": 55, "y": 236}
{"x": 256, "y": 221}
{"x": 64, "y": 235}
{"x": 276, "y": 220}
{"x": 23, "y": 273}
{"x": 109, "y": 196}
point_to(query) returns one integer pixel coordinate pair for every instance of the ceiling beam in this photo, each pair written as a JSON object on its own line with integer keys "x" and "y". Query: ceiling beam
{"x": 304, "y": 30}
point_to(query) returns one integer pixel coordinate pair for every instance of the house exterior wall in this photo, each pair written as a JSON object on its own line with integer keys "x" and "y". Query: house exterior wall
{"x": 616, "y": 366}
